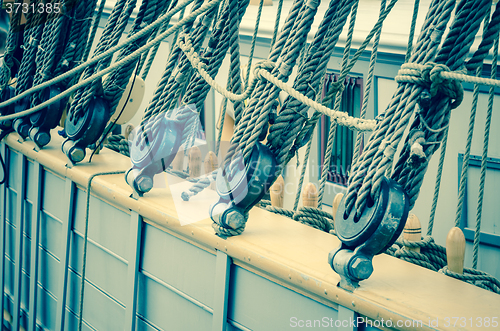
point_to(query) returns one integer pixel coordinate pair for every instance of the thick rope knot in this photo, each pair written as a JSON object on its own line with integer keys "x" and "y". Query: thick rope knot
{"x": 431, "y": 256}
{"x": 475, "y": 277}
{"x": 417, "y": 154}
{"x": 315, "y": 218}
{"x": 430, "y": 75}
{"x": 263, "y": 65}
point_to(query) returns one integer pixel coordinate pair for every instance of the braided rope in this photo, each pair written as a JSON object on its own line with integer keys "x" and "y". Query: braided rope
{"x": 103, "y": 72}
{"x": 375, "y": 161}
{"x": 484, "y": 159}
{"x": 475, "y": 277}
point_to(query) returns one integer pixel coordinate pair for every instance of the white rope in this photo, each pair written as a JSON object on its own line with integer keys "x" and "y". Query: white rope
{"x": 407, "y": 69}
{"x": 340, "y": 117}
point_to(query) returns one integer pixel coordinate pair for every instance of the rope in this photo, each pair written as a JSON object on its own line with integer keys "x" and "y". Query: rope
{"x": 119, "y": 144}
{"x": 432, "y": 256}
{"x": 412, "y": 30}
{"x": 465, "y": 163}
{"x": 438, "y": 183}
{"x": 84, "y": 263}
{"x": 484, "y": 160}
{"x": 103, "y": 72}
{"x": 475, "y": 277}
{"x": 277, "y": 22}
{"x": 370, "y": 169}
{"x": 95, "y": 25}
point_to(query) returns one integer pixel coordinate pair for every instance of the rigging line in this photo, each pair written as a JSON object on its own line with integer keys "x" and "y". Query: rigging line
{"x": 84, "y": 264}
{"x": 112, "y": 50}
{"x": 254, "y": 38}
{"x": 101, "y": 73}
{"x": 97, "y": 20}
{"x": 484, "y": 159}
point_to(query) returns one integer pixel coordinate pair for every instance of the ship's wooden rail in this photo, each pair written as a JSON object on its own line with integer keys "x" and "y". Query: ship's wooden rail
{"x": 147, "y": 271}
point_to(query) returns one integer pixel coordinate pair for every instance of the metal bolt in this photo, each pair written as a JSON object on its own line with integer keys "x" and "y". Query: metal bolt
{"x": 76, "y": 154}
{"x": 235, "y": 219}
{"x": 144, "y": 184}
{"x": 42, "y": 138}
{"x": 361, "y": 267}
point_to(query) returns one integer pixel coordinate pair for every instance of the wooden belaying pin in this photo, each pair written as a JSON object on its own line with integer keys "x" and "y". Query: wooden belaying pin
{"x": 455, "y": 250}
{"x": 178, "y": 162}
{"x": 336, "y": 204}
{"x": 310, "y": 196}
{"x": 277, "y": 191}
{"x": 210, "y": 165}
{"x": 194, "y": 162}
{"x": 412, "y": 232}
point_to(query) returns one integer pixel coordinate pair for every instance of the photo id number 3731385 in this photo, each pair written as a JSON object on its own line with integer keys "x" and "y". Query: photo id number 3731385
{"x": 40, "y": 8}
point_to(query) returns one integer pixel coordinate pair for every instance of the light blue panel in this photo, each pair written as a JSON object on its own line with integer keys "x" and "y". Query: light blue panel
{"x": 50, "y": 234}
{"x": 108, "y": 225}
{"x": 10, "y": 240}
{"x": 11, "y": 206}
{"x": 30, "y": 187}
{"x": 46, "y": 302}
{"x": 103, "y": 270}
{"x": 143, "y": 325}
{"x": 260, "y": 304}
{"x": 13, "y": 156}
{"x": 48, "y": 276}
{"x": 167, "y": 310}
{"x": 99, "y": 310}
{"x": 28, "y": 207}
{"x": 52, "y": 199}
{"x": 71, "y": 322}
{"x": 180, "y": 264}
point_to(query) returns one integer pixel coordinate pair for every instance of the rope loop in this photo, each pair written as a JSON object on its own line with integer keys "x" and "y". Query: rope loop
{"x": 430, "y": 75}
{"x": 475, "y": 277}
{"x": 266, "y": 65}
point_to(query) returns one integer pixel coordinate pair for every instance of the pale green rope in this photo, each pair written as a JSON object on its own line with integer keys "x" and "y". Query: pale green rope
{"x": 85, "y": 238}
{"x": 93, "y": 32}
{"x": 484, "y": 160}
{"x": 438, "y": 183}
{"x": 412, "y": 30}
{"x": 277, "y": 22}
{"x": 465, "y": 163}
{"x": 254, "y": 38}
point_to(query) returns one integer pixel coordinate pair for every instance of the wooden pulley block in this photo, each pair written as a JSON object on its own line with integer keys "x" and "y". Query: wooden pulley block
{"x": 131, "y": 102}
{"x": 455, "y": 250}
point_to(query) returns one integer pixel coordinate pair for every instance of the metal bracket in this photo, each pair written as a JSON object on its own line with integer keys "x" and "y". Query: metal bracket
{"x": 372, "y": 233}
{"x": 240, "y": 186}
{"x": 155, "y": 145}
